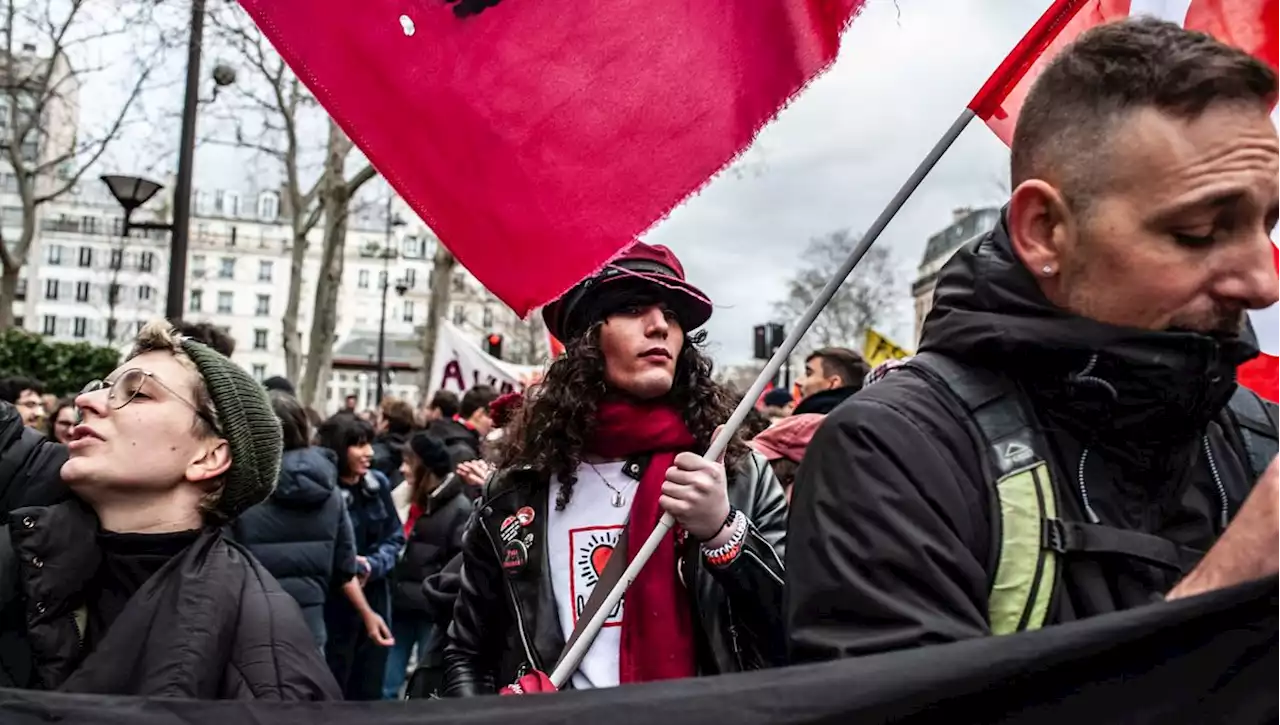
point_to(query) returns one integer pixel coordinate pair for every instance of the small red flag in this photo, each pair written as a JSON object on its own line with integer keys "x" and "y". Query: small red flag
{"x": 1246, "y": 24}
{"x": 539, "y": 138}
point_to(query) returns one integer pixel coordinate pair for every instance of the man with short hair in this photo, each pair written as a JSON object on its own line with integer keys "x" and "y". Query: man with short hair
{"x": 25, "y": 395}
{"x": 1070, "y": 440}
{"x": 831, "y": 374}
{"x": 443, "y": 406}
{"x": 463, "y": 433}
{"x": 777, "y": 404}
{"x": 130, "y": 586}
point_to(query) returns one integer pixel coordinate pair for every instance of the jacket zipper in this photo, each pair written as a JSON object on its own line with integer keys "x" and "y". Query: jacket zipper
{"x": 515, "y": 603}
{"x": 733, "y": 635}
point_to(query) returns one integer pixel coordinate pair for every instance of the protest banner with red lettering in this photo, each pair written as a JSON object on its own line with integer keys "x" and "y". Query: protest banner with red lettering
{"x": 459, "y": 365}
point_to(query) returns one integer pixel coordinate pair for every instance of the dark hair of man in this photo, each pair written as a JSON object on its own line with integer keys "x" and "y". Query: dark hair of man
{"x": 293, "y": 420}
{"x": 551, "y": 429}
{"x": 12, "y": 387}
{"x": 477, "y": 398}
{"x": 209, "y": 334}
{"x": 1111, "y": 72}
{"x": 445, "y": 401}
{"x": 398, "y": 414}
{"x": 342, "y": 431}
{"x": 844, "y": 362}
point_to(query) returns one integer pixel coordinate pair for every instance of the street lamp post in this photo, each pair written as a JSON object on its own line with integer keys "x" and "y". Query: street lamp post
{"x": 388, "y": 252}
{"x": 133, "y": 192}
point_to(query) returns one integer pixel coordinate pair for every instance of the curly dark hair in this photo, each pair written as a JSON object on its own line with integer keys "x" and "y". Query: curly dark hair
{"x": 550, "y": 430}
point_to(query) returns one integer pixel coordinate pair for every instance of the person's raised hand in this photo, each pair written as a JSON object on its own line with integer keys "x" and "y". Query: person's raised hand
{"x": 1247, "y": 549}
{"x": 475, "y": 473}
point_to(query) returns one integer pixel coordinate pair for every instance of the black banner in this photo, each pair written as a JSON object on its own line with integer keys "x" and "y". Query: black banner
{"x": 1205, "y": 660}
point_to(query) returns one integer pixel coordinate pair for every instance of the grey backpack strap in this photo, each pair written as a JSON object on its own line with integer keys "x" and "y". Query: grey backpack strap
{"x": 1025, "y": 519}
{"x": 1255, "y": 419}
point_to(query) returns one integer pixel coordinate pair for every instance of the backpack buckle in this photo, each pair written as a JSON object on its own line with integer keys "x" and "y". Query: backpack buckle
{"x": 1054, "y": 535}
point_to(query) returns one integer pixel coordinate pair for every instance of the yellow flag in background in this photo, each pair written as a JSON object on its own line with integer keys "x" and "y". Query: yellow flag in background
{"x": 878, "y": 349}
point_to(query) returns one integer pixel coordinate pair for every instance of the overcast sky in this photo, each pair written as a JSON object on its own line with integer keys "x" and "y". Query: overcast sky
{"x": 831, "y": 160}
{"x": 835, "y": 157}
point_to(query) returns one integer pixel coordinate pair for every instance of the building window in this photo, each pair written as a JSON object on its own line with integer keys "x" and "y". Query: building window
{"x": 459, "y": 283}
{"x": 144, "y": 292}
{"x": 51, "y": 289}
{"x": 19, "y": 322}
{"x": 259, "y": 339}
{"x": 21, "y": 293}
{"x": 264, "y": 306}
{"x": 264, "y": 270}
{"x": 408, "y": 311}
{"x": 268, "y": 206}
{"x": 54, "y": 254}
{"x": 197, "y": 300}
{"x": 50, "y": 325}
{"x": 111, "y": 329}
{"x": 487, "y": 318}
{"x": 113, "y": 294}
{"x": 233, "y": 204}
{"x": 197, "y": 266}
{"x": 227, "y": 270}
{"x": 259, "y": 372}
{"x": 362, "y": 279}
{"x": 77, "y": 329}
{"x": 410, "y": 277}
{"x": 219, "y": 199}
{"x": 82, "y": 291}
{"x": 117, "y": 258}
{"x": 224, "y": 303}
{"x": 382, "y": 279}
{"x": 89, "y": 224}
{"x": 86, "y": 256}
{"x": 145, "y": 260}
{"x": 202, "y": 231}
{"x": 459, "y": 315}
{"x": 202, "y": 202}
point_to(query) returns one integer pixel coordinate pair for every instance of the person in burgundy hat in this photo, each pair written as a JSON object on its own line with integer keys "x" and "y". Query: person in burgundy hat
{"x": 600, "y": 448}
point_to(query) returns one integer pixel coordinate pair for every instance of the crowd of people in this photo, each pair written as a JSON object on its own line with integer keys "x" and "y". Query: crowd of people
{"x": 1069, "y": 441}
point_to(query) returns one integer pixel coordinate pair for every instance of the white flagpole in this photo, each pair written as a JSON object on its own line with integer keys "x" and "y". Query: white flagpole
{"x": 573, "y": 657}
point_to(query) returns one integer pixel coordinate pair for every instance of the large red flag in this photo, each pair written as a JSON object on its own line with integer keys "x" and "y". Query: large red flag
{"x": 1247, "y": 24}
{"x": 539, "y": 138}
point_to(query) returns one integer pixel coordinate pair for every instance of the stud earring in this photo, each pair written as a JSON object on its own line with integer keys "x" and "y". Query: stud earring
{"x": 1048, "y": 270}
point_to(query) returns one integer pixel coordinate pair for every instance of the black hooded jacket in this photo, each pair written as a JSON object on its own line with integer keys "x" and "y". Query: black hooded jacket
{"x": 302, "y": 533}
{"x": 435, "y": 539}
{"x": 891, "y": 532}
{"x": 462, "y": 442}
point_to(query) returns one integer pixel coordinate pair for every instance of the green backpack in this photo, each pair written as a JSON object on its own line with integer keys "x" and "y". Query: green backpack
{"x": 1028, "y": 518}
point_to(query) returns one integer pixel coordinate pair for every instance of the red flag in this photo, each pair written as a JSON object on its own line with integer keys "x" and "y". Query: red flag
{"x": 538, "y": 138}
{"x": 1246, "y": 24}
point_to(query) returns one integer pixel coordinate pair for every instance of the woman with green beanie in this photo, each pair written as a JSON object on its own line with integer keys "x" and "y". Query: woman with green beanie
{"x": 130, "y": 586}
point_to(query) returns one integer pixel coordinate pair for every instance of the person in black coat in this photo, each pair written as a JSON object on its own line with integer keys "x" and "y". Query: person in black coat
{"x": 357, "y": 660}
{"x": 302, "y": 533}
{"x": 438, "y": 513}
{"x": 128, "y": 585}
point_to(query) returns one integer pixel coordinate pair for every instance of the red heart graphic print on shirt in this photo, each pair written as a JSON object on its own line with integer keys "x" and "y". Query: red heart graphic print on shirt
{"x": 590, "y": 548}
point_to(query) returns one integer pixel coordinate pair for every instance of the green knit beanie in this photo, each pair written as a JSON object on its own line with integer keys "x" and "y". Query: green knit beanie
{"x": 248, "y": 424}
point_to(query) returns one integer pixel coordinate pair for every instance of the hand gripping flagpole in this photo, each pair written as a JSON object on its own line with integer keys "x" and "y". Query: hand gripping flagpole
{"x": 1014, "y": 67}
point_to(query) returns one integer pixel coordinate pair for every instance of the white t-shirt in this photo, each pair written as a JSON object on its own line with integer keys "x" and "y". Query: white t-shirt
{"x": 579, "y": 541}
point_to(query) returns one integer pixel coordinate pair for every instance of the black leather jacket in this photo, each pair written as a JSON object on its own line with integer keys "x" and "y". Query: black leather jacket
{"x": 506, "y": 623}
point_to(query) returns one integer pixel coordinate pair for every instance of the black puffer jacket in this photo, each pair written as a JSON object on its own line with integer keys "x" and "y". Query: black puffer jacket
{"x": 302, "y": 534}
{"x": 29, "y": 465}
{"x": 892, "y": 534}
{"x": 210, "y": 624}
{"x": 503, "y": 623}
{"x": 388, "y": 454}
{"x": 436, "y": 538}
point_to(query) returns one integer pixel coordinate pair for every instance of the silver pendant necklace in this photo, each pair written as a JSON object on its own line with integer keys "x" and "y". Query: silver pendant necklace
{"x": 619, "y": 498}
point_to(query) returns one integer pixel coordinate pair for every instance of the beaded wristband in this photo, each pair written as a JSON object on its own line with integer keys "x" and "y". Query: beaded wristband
{"x": 725, "y": 554}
